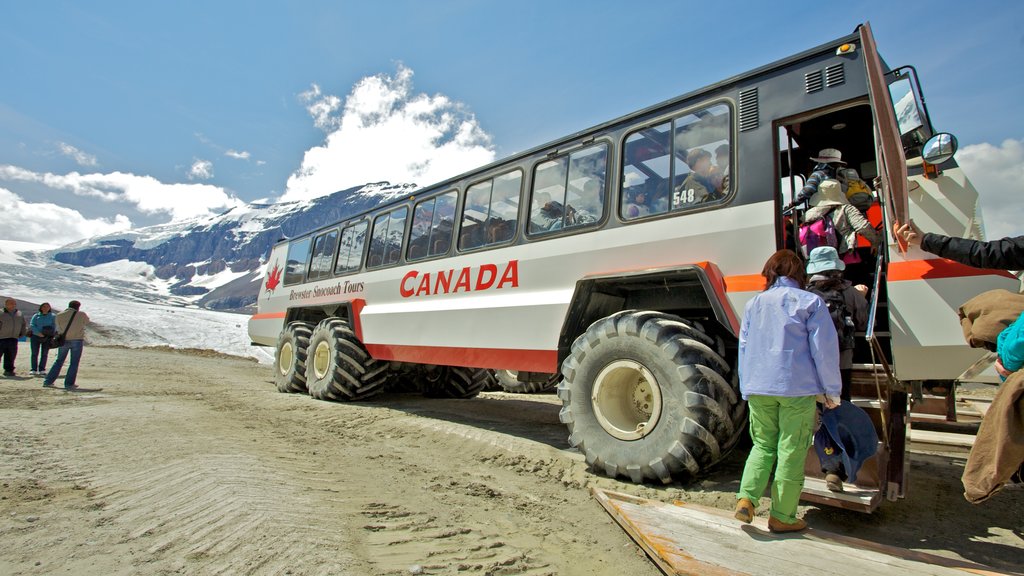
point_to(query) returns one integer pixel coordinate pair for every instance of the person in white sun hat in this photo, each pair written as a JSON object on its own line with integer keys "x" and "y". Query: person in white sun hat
{"x": 828, "y": 162}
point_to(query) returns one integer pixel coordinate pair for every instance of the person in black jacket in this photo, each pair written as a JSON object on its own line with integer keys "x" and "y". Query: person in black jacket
{"x": 1005, "y": 254}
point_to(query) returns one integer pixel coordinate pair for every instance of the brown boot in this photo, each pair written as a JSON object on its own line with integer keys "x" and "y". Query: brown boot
{"x": 834, "y": 482}
{"x": 745, "y": 510}
{"x": 778, "y": 526}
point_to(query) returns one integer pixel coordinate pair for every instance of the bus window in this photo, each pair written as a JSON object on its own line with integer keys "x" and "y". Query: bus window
{"x": 298, "y": 256}
{"x": 350, "y": 249}
{"x": 323, "y": 252}
{"x": 443, "y": 225}
{"x": 491, "y": 212}
{"x": 688, "y": 169}
{"x": 386, "y": 239}
{"x": 569, "y": 191}
{"x": 645, "y": 169}
{"x": 432, "y": 225}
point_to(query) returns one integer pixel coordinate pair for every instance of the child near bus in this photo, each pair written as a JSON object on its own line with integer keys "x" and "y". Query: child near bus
{"x": 847, "y": 304}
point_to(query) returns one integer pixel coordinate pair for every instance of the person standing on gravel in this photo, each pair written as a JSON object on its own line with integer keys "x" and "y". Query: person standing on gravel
{"x": 71, "y": 323}
{"x": 12, "y": 327}
{"x": 41, "y": 327}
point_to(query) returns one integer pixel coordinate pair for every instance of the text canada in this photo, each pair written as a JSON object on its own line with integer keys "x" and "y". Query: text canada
{"x": 468, "y": 279}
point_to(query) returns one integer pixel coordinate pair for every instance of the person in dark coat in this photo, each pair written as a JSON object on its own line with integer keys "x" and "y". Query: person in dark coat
{"x": 1004, "y": 254}
{"x": 12, "y": 327}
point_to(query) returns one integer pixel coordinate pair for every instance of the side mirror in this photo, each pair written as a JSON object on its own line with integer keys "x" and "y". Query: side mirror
{"x": 939, "y": 148}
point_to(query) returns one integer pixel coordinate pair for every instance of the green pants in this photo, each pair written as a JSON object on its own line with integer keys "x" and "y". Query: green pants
{"x": 782, "y": 429}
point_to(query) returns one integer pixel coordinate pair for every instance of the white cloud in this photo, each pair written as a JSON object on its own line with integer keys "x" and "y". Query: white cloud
{"x": 997, "y": 172}
{"x": 146, "y": 193}
{"x": 81, "y": 158}
{"x": 386, "y": 132}
{"x": 322, "y": 108}
{"x": 51, "y": 224}
{"x": 201, "y": 170}
{"x": 238, "y": 155}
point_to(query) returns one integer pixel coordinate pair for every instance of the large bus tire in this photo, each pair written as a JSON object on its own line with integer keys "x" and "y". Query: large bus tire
{"x": 290, "y": 357}
{"x": 456, "y": 382}
{"x": 339, "y": 367}
{"x": 646, "y": 396}
{"x": 508, "y": 380}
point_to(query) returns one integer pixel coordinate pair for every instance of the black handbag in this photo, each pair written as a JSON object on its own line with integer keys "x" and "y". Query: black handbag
{"x": 58, "y": 339}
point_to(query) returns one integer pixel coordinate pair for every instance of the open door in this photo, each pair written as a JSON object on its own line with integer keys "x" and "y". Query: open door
{"x": 892, "y": 166}
{"x": 892, "y": 170}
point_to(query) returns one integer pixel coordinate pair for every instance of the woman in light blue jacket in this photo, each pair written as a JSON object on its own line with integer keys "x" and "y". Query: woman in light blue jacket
{"x": 789, "y": 355}
{"x": 42, "y": 326}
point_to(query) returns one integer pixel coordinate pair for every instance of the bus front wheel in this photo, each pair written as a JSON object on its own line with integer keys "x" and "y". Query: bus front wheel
{"x": 290, "y": 357}
{"x": 646, "y": 396}
{"x": 339, "y": 367}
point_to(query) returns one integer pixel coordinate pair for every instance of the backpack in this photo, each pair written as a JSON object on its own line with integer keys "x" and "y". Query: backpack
{"x": 841, "y": 315}
{"x": 859, "y": 195}
{"x": 821, "y": 232}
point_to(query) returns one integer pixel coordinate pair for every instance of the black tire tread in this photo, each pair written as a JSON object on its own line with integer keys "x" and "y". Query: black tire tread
{"x": 354, "y": 374}
{"x": 715, "y": 413}
{"x": 299, "y": 333}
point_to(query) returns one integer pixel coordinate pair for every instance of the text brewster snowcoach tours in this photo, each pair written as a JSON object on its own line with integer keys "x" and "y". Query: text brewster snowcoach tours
{"x": 607, "y": 265}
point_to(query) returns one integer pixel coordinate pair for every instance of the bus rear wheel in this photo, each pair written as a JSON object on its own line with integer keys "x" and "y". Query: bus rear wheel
{"x": 339, "y": 367}
{"x": 646, "y": 396}
{"x": 290, "y": 357}
{"x": 456, "y": 381}
{"x": 509, "y": 381}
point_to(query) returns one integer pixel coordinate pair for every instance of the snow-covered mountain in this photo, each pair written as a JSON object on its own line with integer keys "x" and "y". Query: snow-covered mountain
{"x": 213, "y": 262}
{"x": 160, "y": 285}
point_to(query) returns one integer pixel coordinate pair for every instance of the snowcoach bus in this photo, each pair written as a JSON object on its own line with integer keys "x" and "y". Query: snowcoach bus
{"x": 613, "y": 265}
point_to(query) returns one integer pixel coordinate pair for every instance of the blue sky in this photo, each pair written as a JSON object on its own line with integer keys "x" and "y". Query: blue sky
{"x": 118, "y": 114}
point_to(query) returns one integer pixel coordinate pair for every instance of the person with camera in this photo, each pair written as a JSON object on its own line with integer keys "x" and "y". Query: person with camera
{"x": 71, "y": 330}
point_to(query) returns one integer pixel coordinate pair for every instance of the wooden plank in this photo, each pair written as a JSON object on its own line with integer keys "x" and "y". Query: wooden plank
{"x": 688, "y": 539}
{"x": 852, "y": 497}
{"x": 942, "y": 441}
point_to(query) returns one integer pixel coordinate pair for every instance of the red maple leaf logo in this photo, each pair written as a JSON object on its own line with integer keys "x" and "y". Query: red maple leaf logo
{"x": 274, "y": 278}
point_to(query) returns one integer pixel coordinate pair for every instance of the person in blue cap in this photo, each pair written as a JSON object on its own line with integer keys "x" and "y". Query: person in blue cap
{"x": 847, "y": 304}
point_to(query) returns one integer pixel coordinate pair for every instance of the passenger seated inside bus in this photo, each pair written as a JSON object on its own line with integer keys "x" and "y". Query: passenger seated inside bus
{"x": 720, "y": 171}
{"x": 500, "y": 230}
{"x": 546, "y": 213}
{"x": 585, "y": 207}
{"x": 698, "y": 186}
{"x": 635, "y": 200}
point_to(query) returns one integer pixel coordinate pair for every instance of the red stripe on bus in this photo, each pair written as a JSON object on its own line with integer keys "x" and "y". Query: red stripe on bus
{"x": 937, "y": 268}
{"x": 720, "y": 286}
{"x": 524, "y": 360}
{"x": 745, "y": 283}
{"x": 357, "y": 323}
{"x": 268, "y": 316}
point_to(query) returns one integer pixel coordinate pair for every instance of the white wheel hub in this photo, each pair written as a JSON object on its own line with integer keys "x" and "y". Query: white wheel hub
{"x": 626, "y": 399}
{"x": 285, "y": 358}
{"x": 321, "y": 359}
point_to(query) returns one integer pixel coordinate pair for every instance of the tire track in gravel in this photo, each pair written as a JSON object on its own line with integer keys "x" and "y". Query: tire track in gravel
{"x": 196, "y": 466}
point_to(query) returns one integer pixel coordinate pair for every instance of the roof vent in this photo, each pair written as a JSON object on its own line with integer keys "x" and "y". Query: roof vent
{"x": 834, "y": 75}
{"x": 748, "y": 109}
{"x": 813, "y": 82}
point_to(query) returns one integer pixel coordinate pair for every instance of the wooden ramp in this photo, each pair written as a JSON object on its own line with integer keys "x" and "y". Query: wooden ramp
{"x": 691, "y": 539}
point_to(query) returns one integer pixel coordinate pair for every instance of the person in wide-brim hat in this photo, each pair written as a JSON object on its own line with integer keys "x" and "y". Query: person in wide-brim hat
{"x": 830, "y": 193}
{"x": 829, "y": 156}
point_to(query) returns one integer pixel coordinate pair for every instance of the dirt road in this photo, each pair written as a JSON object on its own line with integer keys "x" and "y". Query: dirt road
{"x": 195, "y": 464}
